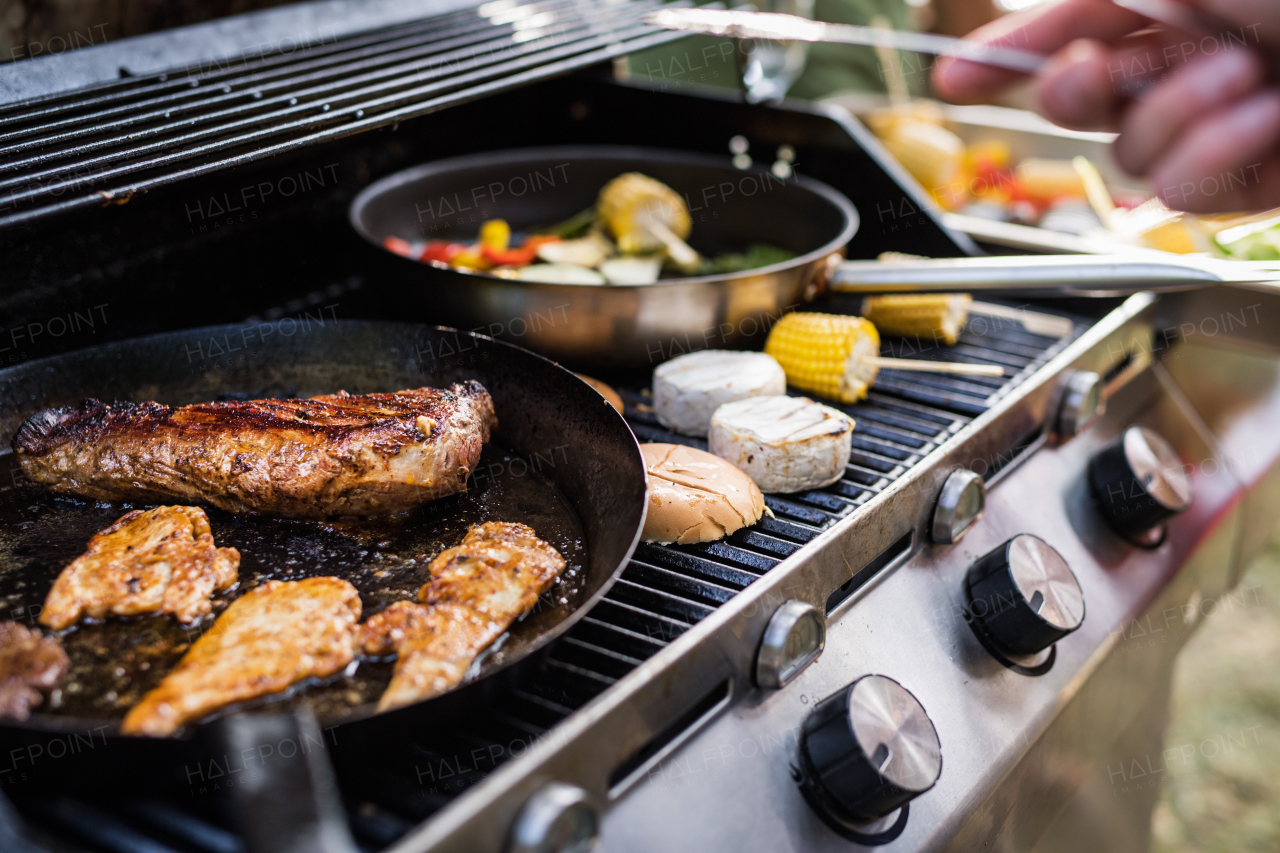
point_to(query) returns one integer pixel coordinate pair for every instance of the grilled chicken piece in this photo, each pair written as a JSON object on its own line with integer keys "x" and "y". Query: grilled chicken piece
{"x": 271, "y": 637}
{"x": 476, "y": 591}
{"x": 29, "y": 663}
{"x": 158, "y": 560}
{"x": 337, "y": 455}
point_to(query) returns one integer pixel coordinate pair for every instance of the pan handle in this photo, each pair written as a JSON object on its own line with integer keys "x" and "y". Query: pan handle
{"x": 1076, "y": 275}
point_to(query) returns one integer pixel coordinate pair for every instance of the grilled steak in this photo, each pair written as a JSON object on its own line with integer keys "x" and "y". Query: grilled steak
{"x": 271, "y": 637}
{"x": 336, "y": 455}
{"x": 29, "y": 663}
{"x": 476, "y": 591}
{"x": 159, "y": 560}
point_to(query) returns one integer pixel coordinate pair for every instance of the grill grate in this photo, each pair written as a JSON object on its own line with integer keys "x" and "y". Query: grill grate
{"x": 108, "y": 142}
{"x": 663, "y": 592}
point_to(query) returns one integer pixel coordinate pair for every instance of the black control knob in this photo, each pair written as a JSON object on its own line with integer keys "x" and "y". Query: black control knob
{"x": 1138, "y": 483}
{"x": 867, "y": 751}
{"x": 1023, "y": 596}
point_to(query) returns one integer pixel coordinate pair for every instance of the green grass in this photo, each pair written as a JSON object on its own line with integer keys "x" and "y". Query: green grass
{"x": 1227, "y": 685}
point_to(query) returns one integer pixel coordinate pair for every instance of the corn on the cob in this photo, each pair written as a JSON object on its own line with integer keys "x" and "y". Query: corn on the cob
{"x": 823, "y": 353}
{"x": 932, "y": 154}
{"x": 1049, "y": 179}
{"x": 938, "y": 316}
{"x": 630, "y": 203}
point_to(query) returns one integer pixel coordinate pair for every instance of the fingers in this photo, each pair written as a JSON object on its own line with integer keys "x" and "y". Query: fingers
{"x": 1043, "y": 30}
{"x": 1077, "y": 90}
{"x": 1224, "y": 161}
{"x": 1258, "y": 20}
{"x": 1202, "y": 86}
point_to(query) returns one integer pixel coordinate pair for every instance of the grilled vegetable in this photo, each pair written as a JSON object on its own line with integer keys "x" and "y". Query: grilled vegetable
{"x": 560, "y": 274}
{"x": 932, "y": 154}
{"x": 588, "y": 251}
{"x": 644, "y": 215}
{"x": 630, "y": 204}
{"x": 442, "y": 251}
{"x": 632, "y": 270}
{"x": 495, "y": 234}
{"x": 939, "y": 316}
{"x": 756, "y": 256}
{"x": 399, "y": 245}
{"x": 1047, "y": 180}
{"x": 824, "y": 353}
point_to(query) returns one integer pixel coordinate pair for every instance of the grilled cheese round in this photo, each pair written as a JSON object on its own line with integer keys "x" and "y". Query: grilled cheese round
{"x": 687, "y": 390}
{"x": 785, "y": 444}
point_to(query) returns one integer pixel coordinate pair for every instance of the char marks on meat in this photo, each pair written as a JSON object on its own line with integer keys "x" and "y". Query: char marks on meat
{"x": 476, "y": 591}
{"x": 160, "y": 560}
{"x": 30, "y": 663}
{"x": 330, "y": 456}
{"x": 271, "y": 637}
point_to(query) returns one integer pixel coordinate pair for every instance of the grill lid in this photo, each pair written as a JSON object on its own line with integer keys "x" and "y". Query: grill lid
{"x": 107, "y": 142}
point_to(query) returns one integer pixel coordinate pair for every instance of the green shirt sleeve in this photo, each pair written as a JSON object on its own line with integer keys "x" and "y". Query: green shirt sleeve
{"x": 829, "y": 68}
{"x": 832, "y": 68}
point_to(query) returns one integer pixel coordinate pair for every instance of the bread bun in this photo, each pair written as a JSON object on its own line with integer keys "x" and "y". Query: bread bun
{"x": 696, "y": 497}
{"x": 606, "y": 391}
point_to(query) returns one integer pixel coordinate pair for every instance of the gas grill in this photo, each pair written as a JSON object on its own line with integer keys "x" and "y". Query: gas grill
{"x": 652, "y": 722}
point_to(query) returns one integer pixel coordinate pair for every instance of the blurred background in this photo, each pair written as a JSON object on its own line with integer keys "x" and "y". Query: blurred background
{"x": 1225, "y": 797}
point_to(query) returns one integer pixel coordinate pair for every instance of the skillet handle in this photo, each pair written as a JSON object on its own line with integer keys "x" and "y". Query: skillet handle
{"x": 1045, "y": 275}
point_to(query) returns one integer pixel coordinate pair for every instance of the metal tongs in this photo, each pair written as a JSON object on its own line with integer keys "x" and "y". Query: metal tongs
{"x": 741, "y": 24}
{"x": 1053, "y": 275}
{"x": 745, "y": 24}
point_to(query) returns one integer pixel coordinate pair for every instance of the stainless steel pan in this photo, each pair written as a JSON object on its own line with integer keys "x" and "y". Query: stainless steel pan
{"x": 619, "y": 327}
{"x": 608, "y": 327}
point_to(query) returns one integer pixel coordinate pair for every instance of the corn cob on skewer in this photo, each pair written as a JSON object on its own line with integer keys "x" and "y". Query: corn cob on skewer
{"x": 824, "y": 353}
{"x": 939, "y": 316}
{"x": 645, "y": 215}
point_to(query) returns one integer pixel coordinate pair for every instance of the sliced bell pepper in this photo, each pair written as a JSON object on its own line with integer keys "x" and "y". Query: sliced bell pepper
{"x": 442, "y": 251}
{"x": 495, "y": 234}
{"x": 398, "y": 245}
{"x": 509, "y": 257}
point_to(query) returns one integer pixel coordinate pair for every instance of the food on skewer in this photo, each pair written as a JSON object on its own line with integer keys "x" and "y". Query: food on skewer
{"x": 826, "y": 353}
{"x": 688, "y": 389}
{"x": 476, "y": 591}
{"x": 695, "y": 496}
{"x": 785, "y": 444}
{"x": 336, "y": 455}
{"x": 271, "y": 637}
{"x": 938, "y": 316}
{"x": 645, "y": 215}
{"x": 160, "y": 560}
{"x": 30, "y": 665}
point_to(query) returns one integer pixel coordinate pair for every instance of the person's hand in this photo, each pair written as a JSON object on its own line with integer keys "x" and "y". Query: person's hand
{"x": 1198, "y": 117}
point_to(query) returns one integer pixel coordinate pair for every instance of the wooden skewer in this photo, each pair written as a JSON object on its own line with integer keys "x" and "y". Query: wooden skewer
{"x": 685, "y": 256}
{"x": 1033, "y": 321}
{"x": 934, "y": 366}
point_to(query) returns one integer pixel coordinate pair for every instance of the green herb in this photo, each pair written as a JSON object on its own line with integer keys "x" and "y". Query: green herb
{"x": 757, "y": 255}
{"x": 573, "y": 227}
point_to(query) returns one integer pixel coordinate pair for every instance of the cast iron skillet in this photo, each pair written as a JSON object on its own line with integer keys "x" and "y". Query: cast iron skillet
{"x": 608, "y": 327}
{"x": 562, "y": 460}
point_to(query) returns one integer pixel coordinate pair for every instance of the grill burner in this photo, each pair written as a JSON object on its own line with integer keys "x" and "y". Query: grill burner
{"x": 108, "y": 142}
{"x": 663, "y": 592}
